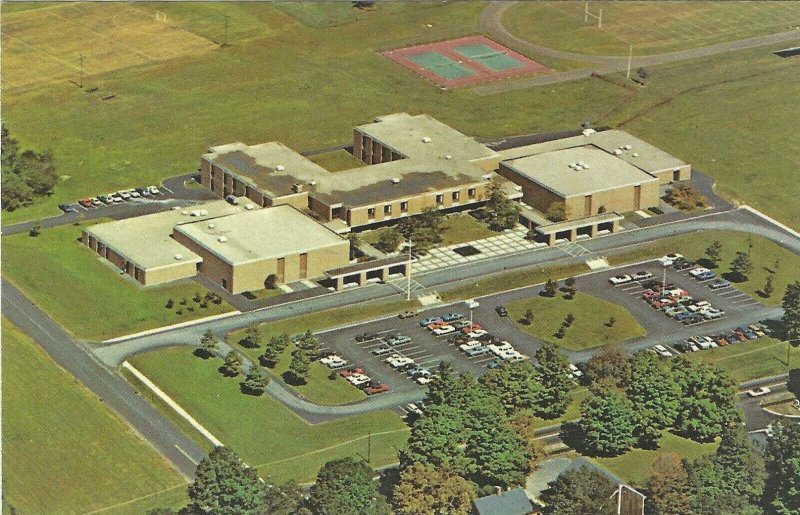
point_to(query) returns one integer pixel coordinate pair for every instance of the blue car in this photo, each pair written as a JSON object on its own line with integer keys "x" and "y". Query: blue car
{"x": 705, "y": 276}
{"x": 683, "y": 316}
{"x": 451, "y": 317}
{"x": 429, "y": 321}
{"x": 719, "y": 283}
{"x": 493, "y": 364}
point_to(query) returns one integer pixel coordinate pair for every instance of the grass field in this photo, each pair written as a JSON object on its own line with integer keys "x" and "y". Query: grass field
{"x": 306, "y": 97}
{"x": 650, "y": 27}
{"x": 266, "y": 434}
{"x": 337, "y": 160}
{"x": 51, "y": 430}
{"x": 319, "y": 389}
{"x": 636, "y": 466}
{"x": 751, "y": 360}
{"x": 764, "y": 255}
{"x": 589, "y": 328}
{"x": 457, "y": 228}
{"x": 87, "y": 297}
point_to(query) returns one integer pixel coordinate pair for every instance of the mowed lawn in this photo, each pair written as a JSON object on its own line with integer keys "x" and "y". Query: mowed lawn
{"x": 636, "y": 466}
{"x": 310, "y": 86}
{"x": 752, "y": 359}
{"x": 590, "y": 327}
{"x": 266, "y": 434}
{"x": 456, "y": 228}
{"x": 650, "y": 26}
{"x": 63, "y": 450}
{"x": 87, "y": 297}
{"x": 764, "y": 255}
{"x": 337, "y": 160}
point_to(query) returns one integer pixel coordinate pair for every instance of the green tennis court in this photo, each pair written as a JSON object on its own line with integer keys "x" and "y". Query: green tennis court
{"x": 488, "y": 57}
{"x": 441, "y": 65}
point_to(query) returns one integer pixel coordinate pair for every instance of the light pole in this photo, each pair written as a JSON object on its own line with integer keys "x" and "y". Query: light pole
{"x": 408, "y": 273}
{"x": 630, "y": 60}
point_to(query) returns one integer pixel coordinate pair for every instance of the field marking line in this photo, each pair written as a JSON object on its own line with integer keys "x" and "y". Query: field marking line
{"x": 37, "y": 49}
{"x": 348, "y": 442}
{"x": 172, "y": 404}
{"x": 106, "y": 508}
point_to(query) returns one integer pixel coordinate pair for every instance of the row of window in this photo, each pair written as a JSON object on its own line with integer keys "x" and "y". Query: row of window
{"x": 387, "y": 209}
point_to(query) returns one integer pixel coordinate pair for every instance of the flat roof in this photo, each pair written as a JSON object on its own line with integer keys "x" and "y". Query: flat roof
{"x": 553, "y": 227}
{"x": 448, "y": 160}
{"x": 146, "y": 240}
{"x": 424, "y": 137}
{"x": 605, "y": 171}
{"x": 641, "y": 154}
{"x": 260, "y": 234}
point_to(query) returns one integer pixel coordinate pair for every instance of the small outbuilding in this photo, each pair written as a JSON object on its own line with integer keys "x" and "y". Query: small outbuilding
{"x": 513, "y": 502}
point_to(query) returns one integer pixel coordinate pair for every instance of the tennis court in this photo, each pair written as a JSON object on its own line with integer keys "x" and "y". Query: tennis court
{"x": 441, "y": 65}
{"x": 488, "y": 57}
{"x": 464, "y": 61}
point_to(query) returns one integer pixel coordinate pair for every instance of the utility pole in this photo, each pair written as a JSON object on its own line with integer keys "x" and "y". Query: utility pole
{"x": 81, "y": 58}
{"x": 630, "y": 60}
{"x": 408, "y": 272}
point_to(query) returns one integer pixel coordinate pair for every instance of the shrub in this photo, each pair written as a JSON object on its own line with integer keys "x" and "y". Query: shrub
{"x": 170, "y": 303}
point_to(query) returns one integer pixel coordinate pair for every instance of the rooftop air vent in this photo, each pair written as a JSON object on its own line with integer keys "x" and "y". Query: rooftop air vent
{"x": 279, "y": 168}
{"x": 635, "y": 154}
{"x": 250, "y": 207}
{"x": 585, "y": 166}
{"x": 211, "y": 226}
{"x": 395, "y": 180}
{"x": 628, "y": 147}
{"x": 312, "y": 182}
{"x": 184, "y": 212}
{"x": 617, "y": 152}
{"x": 297, "y": 188}
{"x": 222, "y": 239}
{"x": 587, "y": 132}
{"x": 178, "y": 257}
{"x": 448, "y": 156}
{"x": 426, "y": 139}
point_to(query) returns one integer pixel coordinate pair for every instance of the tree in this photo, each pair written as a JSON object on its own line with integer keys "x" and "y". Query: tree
{"x": 309, "y": 344}
{"x": 345, "y": 485}
{"x": 557, "y": 212}
{"x": 642, "y": 73}
{"x": 426, "y": 230}
{"x": 714, "y": 252}
{"x": 525, "y": 425}
{"x": 223, "y": 484}
{"x": 783, "y": 469}
{"x": 300, "y": 365}
{"x": 569, "y": 319}
{"x": 424, "y": 489}
{"x": 707, "y": 401}
{"x": 436, "y": 439}
{"x": 514, "y": 385}
{"x": 354, "y": 241}
{"x": 208, "y": 344}
{"x": 497, "y": 455}
{"x": 550, "y": 288}
{"x": 791, "y": 311}
{"x": 502, "y": 212}
{"x": 608, "y": 366}
{"x": 15, "y": 192}
{"x": 389, "y": 240}
{"x": 233, "y": 364}
{"x": 527, "y": 318}
{"x": 570, "y": 283}
{"x": 252, "y": 337}
{"x": 285, "y": 499}
{"x": 272, "y": 351}
{"x": 742, "y": 265}
{"x": 607, "y": 423}
{"x": 255, "y": 381}
{"x": 611, "y": 322}
{"x": 271, "y": 282}
{"x": 580, "y": 491}
{"x": 554, "y": 376}
{"x": 650, "y": 385}
{"x": 670, "y": 490}
{"x": 36, "y": 229}
{"x": 9, "y": 148}
{"x": 26, "y": 174}
{"x": 768, "y": 287}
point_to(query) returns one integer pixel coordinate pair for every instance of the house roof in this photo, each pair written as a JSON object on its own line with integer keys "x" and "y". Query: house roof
{"x": 513, "y": 502}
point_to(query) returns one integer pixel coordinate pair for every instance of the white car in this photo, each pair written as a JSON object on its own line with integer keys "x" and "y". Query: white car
{"x": 153, "y": 190}
{"x": 758, "y": 392}
{"x": 124, "y": 194}
{"x": 477, "y": 333}
{"x": 662, "y": 351}
{"x": 575, "y": 370}
{"x": 498, "y": 349}
{"x": 413, "y": 408}
{"x": 423, "y": 380}
{"x": 469, "y": 345}
{"x": 445, "y": 329}
{"x": 134, "y": 193}
{"x": 669, "y": 259}
{"x": 694, "y": 272}
{"x": 339, "y": 363}
{"x": 699, "y": 306}
{"x": 357, "y": 379}
{"x": 472, "y": 303}
{"x": 329, "y": 358}
{"x": 620, "y": 279}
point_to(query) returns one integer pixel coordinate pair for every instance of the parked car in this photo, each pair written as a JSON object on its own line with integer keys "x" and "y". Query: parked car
{"x": 423, "y": 380}
{"x": 477, "y": 333}
{"x": 143, "y": 192}
{"x": 712, "y": 314}
{"x": 452, "y": 317}
{"x": 719, "y": 283}
{"x": 366, "y": 337}
{"x": 429, "y": 320}
{"x": 134, "y": 193}
{"x": 85, "y": 202}
{"x": 682, "y": 264}
{"x": 373, "y": 390}
{"x": 124, "y": 194}
{"x": 669, "y": 259}
{"x": 68, "y": 208}
{"x": 469, "y": 345}
{"x": 461, "y": 324}
{"x": 413, "y": 408}
{"x": 674, "y": 310}
{"x": 407, "y": 314}
{"x": 662, "y": 351}
{"x": 480, "y": 350}
{"x": 575, "y": 371}
{"x": 756, "y": 329}
{"x": 697, "y": 271}
{"x": 662, "y": 303}
{"x": 399, "y": 339}
{"x": 414, "y": 371}
{"x": 472, "y": 303}
{"x": 501, "y": 311}
{"x": 380, "y": 351}
{"x": 758, "y": 392}
{"x": 705, "y": 276}
{"x": 493, "y": 364}
{"x": 470, "y": 328}
{"x": 352, "y": 371}
{"x": 620, "y": 279}
{"x": 435, "y": 325}
{"x": 641, "y": 275}
{"x": 153, "y": 190}
{"x": 445, "y": 329}
{"x": 96, "y": 201}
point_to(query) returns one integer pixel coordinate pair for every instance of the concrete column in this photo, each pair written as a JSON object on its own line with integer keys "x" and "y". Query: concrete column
{"x": 614, "y": 226}
{"x": 385, "y": 274}
{"x": 406, "y": 269}
{"x": 362, "y": 278}
{"x": 573, "y": 235}
{"x": 594, "y": 231}
{"x": 340, "y": 283}
{"x": 551, "y": 239}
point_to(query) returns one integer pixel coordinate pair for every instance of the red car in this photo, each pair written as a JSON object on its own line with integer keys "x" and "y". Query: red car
{"x": 372, "y": 390}
{"x": 662, "y": 303}
{"x": 85, "y": 202}
{"x": 470, "y": 328}
{"x": 348, "y": 373}
{"x": 436, "y": 325}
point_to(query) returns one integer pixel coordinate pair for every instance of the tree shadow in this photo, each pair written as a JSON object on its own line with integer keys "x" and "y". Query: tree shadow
{"x": 707, "y": 263}
{"x": 266, "y": 362}
{"x": 572, "y": 435}
{"x": 734, "y": 277}
{"x": 249, "y": 391}
{"x": 203, "y": 354}
{"x": 226, "y": 373}
{"x": 291, "y": 378}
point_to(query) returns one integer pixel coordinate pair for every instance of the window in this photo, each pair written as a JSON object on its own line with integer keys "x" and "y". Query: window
{"x": 456, "y": 196}
{"x": 404, "y": 206}
{"x": 471, "y": 192}
{"x": 439, "y": 199}
{"x": 371, "y": 212}
{"x": 387, "y": 209}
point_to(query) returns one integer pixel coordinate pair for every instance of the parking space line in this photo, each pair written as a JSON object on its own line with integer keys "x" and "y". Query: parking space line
{"x": 748, "y": 299}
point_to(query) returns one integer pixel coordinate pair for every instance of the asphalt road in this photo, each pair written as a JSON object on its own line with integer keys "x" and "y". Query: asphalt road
{"x": 107, "y": 385}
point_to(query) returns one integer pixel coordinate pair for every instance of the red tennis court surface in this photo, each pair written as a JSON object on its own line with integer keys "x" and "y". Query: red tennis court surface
{"x": 464, "y": 61}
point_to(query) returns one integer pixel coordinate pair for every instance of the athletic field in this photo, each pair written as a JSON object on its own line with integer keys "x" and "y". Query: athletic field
{"x": 45, "y": 45}
{"x": 651, "y": 27}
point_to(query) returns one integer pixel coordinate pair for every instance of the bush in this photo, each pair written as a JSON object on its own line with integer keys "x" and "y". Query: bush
{"x": 184, "y": 301}
{"x": 271, "y": 282}
{"x": 170, "y": 303}
{"x": 197, "y": 297}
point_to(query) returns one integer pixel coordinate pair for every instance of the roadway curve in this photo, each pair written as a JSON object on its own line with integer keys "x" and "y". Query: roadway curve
{"x": 491, "y": 23}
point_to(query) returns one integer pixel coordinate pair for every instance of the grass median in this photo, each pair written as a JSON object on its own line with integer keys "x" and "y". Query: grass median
{"x": 591, "y": 327}
{"x": 63, "y": 450}
{"x": 89, "y": 298}
{"x": 752, "y": 359}
{"x": 265, "y": 433}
